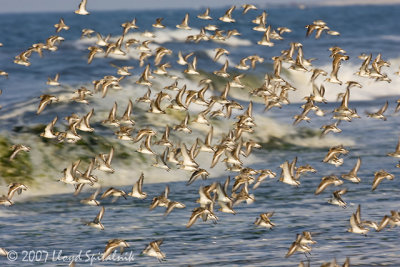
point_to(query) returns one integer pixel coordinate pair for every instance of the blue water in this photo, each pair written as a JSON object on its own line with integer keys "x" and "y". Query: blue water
{"x": 362, "y": 29}
{"x": 48, "y": 218}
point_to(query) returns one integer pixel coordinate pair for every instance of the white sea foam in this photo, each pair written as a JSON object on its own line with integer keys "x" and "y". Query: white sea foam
{"x": 127, "y": 171}
{"x": 162, "y": 36}
{"x": 5, "y": 212}
{"x": 235, "y": 41}
{"x": 391, "y": 37}
{"x": 371, "y": 89}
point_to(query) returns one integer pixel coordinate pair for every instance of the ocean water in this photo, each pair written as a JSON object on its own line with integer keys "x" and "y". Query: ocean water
{"x": 48, "y": 220}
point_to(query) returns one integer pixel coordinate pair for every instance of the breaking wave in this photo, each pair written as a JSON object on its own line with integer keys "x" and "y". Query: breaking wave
{"x": 371, "y": 89}
{"x": 48, "y": 158}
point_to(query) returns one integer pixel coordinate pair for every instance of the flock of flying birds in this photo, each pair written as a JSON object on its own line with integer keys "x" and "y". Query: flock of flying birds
{"x": 234, "y": 144}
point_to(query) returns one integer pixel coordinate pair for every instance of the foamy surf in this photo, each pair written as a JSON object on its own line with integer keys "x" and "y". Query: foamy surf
{"x": 162, "y": 36}
{"x": 48, "y": 160}
{"x": 371, "y": 89}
